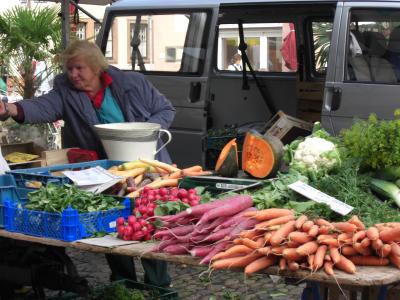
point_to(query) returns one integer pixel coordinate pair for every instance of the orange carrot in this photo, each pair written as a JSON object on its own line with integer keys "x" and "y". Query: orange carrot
{"x": 292, "y": 244}
{"x": 365, "y": 242}
{"x": 328, "y": 268}
{"x": 395, "y": 259}
{"x": 313, "y": 230}
{"x": 300, "y": 221}
{"x": 267, "y": 237}
{"x": 293, "y": 266}
{"x": 361, "y": 260}
{"x": 377, "y": 244}
{"x": 385, "y": 250}
{"x": 276, "y": 221}
{"x": 332, "y": 242}
{"x": 344, "y": 236}
{"x": 233, "y": 251}
{"x": 250, "y": 213}
{"x": 324, "y": 229}
{"x": 282, "y": 264}
{"x": 259, "y": 264}
{"x": 307, "y": 226}
{"x": 327, "y": 257}
{"x": 319, "y": 257}
{"x": 291, "y": 255}
{"x": 158, "y": 164}
{"x": 173, "y": 175}
{"x": 299, "y": 237}
{"x": 346, "y": 265}
{"x": 373, "y": 233}
{"x": 395, "y": 248}
{"x": 198, "y": 173}
{"x": 307, "y": 248}
{"x": 310, "y": 261}
{"x": 323, "y": 237}
{"x": 278, "y": 236}
{"x": 278, "y": 250}
{"x": 335, "y": 255}
{"x": 322, "y": 222}
{"x": 345, "y": 226}
{"x": 356, "y": 221}
{"x": 359, "y": 236}
{"x": 264, "y": 250}
{"x": 272, "y": 213}
{"x": 348, "y": 251}
{"x": 361, "y": 250}
{"x": 389, "y": 235}
{"x": 195, "y": 168}
{"x": 250, "y": 234}
{"x": 240, "y": 261}
{"x": 252, "y": 244}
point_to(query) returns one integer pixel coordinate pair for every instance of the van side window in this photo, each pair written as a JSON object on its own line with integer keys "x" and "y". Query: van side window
{"x": 271, "y": 47}
{"x": 373, "y": 47}
{"x": 161, "y": 42}
{"x": 321, "y": 34}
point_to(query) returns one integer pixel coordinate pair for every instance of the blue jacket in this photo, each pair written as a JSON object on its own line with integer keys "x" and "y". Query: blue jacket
{"x": 136, "y": 96}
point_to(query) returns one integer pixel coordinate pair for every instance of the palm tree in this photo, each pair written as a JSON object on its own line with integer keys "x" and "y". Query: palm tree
{"x": 29, "y": 35}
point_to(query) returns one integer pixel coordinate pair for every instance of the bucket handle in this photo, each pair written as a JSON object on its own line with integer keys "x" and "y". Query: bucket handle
{"x": 167, "y": 142}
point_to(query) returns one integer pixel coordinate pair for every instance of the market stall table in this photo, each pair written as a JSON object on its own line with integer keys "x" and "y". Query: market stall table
{"x": 368, "y": 280}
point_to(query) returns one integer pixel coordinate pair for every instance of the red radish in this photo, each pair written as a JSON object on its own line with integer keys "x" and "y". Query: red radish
{"x": 131, "y": 220}
{"x": 120, "y": 230}
{"x": 182, "y": 193}
{"x": 192, "y": 191}
{"x": 185, "y": 200}
{"x": 136, "y": 227}
{"x": 163, "y": 192}
{"x": 230, "y": 207}
{"x": 137, "y": 236}
{"x": 120, "y": 221}
{"x": 182, "y": 230}
{"x": 219, "y": 235}
{"x": 128, "y": 231}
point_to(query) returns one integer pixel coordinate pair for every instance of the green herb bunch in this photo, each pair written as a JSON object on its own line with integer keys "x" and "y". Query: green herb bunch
{"x": 53, "y": 198}
{"x": 375, "y": 142}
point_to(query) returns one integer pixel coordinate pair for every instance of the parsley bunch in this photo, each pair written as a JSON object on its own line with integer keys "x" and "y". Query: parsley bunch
{"x": 375, "y": 142}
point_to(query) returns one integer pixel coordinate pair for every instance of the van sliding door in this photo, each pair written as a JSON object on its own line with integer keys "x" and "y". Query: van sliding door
{"x": 170, "y": 49}
{"x": 365, "y": 78}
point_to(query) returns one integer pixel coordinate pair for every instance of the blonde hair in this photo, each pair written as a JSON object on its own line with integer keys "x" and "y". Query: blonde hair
{"x": 87, "y": 50}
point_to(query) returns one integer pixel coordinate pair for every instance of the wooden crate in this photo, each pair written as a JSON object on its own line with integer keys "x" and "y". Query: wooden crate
{"x": 30, "y": 148}
{"x": 55, "y": 157}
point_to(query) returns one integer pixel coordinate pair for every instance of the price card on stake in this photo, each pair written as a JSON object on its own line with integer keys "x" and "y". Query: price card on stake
{"x": 320, "y": 197}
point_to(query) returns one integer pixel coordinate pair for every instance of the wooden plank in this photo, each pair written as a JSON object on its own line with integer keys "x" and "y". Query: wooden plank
{"x": 365, "y": 276}
{"x": 55, "y": 157}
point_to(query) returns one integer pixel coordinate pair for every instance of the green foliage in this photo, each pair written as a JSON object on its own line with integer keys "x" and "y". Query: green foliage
{"x": 375, "y": 142}
{"x": 53, "y": 198}
{"x": 27, "y": 35}
{"x": 117, "y": 291}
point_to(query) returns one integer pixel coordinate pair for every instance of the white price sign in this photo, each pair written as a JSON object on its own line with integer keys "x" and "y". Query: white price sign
{"x": 320, "y": 197}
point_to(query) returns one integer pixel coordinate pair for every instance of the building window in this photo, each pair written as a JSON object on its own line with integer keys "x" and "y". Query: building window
{"x": 97, "y": 27}
{"x": 81, "y": 31}
{"x": 109, "y": 47}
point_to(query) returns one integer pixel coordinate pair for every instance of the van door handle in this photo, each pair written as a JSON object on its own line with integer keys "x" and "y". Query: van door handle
{"x": 195, "y": 92}
{"x": 336, "y": 98}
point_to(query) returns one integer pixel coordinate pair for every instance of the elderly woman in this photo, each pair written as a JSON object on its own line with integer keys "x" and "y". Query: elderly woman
{"x": 91, "y": 92}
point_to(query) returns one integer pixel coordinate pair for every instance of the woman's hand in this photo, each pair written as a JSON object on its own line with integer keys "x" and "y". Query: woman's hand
{"x": 7, "y": 110}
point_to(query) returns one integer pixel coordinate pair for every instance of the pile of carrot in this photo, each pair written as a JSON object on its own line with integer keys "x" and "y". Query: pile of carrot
{"x": 151, "y": 173}
{"x": 205, "y": 229}
{"x": 279, "y": 238}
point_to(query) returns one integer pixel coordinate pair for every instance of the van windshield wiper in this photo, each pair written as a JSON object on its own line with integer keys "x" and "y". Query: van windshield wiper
{"x": 245, "y": 62}
{"x": 135, "y": 42}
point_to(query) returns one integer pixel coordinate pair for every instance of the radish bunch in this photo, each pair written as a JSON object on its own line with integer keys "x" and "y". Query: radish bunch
{"x": 137, "y": 227}
{"x": 134, "y": 229}
{"x": 146, "y": 202}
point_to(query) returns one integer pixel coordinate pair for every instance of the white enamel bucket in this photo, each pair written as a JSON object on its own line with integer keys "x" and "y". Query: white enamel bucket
{"x": 131, "y": 141}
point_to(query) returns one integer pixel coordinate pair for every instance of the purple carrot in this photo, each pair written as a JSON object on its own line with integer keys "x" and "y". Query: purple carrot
{"x": 230, "y": 207}
{"x": 198, "y": 210}
{"x": 198, "y": 238}
{"x": 217, "y": 248}
{"x": 209, "y": 227}
{"x": 219, "y": 235}
{"x": 244, "y": 225}
{"x": 201, "y": 251}
{"x": 163, "y": 244}
{"x": 235, "y": 219}
{"x": 177, "y": 249}
{"x": 180, "y": 230}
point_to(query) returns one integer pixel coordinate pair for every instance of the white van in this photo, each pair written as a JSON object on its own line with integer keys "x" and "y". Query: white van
{"x": 316, "y": 60}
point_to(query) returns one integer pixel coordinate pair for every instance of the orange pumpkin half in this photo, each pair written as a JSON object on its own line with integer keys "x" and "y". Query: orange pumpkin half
{"x": 228, "y": 161}
{"x": 261, "y": 155}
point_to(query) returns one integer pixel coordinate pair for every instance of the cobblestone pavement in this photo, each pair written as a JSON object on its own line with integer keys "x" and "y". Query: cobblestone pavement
{"x": 193, "y": 283}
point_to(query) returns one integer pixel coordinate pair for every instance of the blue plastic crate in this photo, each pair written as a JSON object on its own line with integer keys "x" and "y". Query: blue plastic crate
{"x": 67, "y": 226}
{"x": 9, "y": 190}
{"x": 44, "y": 174}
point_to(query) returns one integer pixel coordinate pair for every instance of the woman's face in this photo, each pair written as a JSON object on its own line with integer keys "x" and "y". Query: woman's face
{"x": 81, "y": 74}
